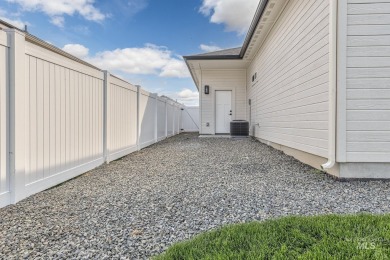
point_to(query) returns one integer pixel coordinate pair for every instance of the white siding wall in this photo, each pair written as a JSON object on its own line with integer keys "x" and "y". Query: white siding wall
{"x": 64, "y": 117}
{"x": 4, "y": 78}
{"x": 234, "y": 80}
{"x": 147, "y": 119}
{"x": 368, "y": 81}
{"x": 121, "y": 118}
{"x": 290, "y": 95}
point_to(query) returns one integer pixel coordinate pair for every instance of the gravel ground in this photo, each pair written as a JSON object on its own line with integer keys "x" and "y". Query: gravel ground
{"x": 137, "y": 206}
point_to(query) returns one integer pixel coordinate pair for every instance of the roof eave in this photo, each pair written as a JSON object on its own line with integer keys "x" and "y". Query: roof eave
{"x": 252, "y": 29}
{"x": 191, "y": 72}
{"x": 217, "y": 57}
{"x": 259, "y": 13}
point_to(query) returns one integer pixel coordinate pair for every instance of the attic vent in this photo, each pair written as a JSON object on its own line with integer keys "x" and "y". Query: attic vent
{"x": 267, "y": 13}
{"x": 272, "y": 5}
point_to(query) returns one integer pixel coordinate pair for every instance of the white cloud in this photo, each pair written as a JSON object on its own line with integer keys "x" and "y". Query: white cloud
{"x": 175, "y": 68}
{"x": 150, "y": 59}
{"x": 237, "y": 15}
{"x": 185, "y": 96}
{"x": 209, "y": 48}
{"x": 135, "y": 6}
{"x": 56, "y": 9}
{"x": 77, "y": 50}
{"x": 188, "y": 97}
{"x": 188, "y": 94}
{"x": 58, "y": 21}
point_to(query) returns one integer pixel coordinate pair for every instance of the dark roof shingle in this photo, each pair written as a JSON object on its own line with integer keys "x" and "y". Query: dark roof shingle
{"x": 227, "y": 53}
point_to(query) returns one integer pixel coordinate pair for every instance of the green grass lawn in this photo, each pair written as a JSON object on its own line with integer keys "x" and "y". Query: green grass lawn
{"x": 322, "y": 237}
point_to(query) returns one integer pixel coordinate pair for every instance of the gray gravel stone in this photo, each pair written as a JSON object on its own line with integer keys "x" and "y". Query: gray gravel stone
{"x": 137, "y": 206}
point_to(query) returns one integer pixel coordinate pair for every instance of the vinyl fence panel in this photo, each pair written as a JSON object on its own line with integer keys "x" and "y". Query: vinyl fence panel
{"x": 190, "y": 119}
{"x": 121, "y": 118}
{"x": 170, "y": 118}
{"x": 147, "y": 118}
{"x": 161, "y": 118}
{"x": 64, "y": 118}
{"x": 4, "y": 83}
{"x": 177, "y": 119}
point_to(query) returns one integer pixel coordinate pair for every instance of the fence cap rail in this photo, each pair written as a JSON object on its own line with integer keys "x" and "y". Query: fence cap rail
{"x": 33, "y": 39}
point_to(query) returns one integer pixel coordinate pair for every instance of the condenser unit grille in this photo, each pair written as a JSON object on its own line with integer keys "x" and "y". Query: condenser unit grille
{"x": 239, "y": 128}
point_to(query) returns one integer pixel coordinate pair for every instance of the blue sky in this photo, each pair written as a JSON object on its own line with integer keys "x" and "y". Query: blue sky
{"x": 141, "y": 41}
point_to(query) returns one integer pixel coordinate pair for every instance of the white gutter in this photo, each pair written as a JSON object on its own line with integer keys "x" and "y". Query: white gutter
{"x": 332, "y": 85}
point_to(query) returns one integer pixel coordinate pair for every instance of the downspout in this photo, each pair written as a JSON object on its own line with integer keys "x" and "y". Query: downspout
{"x": 332, "y": 85}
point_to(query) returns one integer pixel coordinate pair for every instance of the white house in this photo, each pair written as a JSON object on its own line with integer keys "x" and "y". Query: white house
{"x": 312, "y": 78}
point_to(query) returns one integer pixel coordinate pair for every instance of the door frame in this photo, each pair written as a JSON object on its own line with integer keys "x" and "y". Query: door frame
{"x": 215, "y": 107}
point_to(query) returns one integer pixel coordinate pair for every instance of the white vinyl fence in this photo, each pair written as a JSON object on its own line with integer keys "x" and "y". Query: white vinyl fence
{"x": 147, "y": 119}
{"x": 161, "y": 118}
{"x": 4, "y": 171}
{"x": 190, "y": 119}
{"x": 61, "y": 117}
{"x": 122, "y": 132}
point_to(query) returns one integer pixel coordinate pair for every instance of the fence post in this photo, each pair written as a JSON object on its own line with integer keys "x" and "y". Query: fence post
{"x": 17, "y": 113}
{"x": 106, "y": 129}
{"x": 138, "y": 117}
{"x": 181, "y": 118}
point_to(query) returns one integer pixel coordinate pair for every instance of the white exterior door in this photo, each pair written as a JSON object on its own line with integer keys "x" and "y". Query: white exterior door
{"x": 223, "y": 115}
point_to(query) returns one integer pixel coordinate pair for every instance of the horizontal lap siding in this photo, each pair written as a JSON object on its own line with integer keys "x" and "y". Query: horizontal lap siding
{"x": 368, "y": 81}
{"x": 64, "y": 114}
{"x": 234, "y": 80}
{"x": 4, "y": 78}
{"x": 290, "y": 95}
{"x": 122, "y": 118}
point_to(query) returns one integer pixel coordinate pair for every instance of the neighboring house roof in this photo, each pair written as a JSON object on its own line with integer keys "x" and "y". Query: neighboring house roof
{"x": 234, "y": 53}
